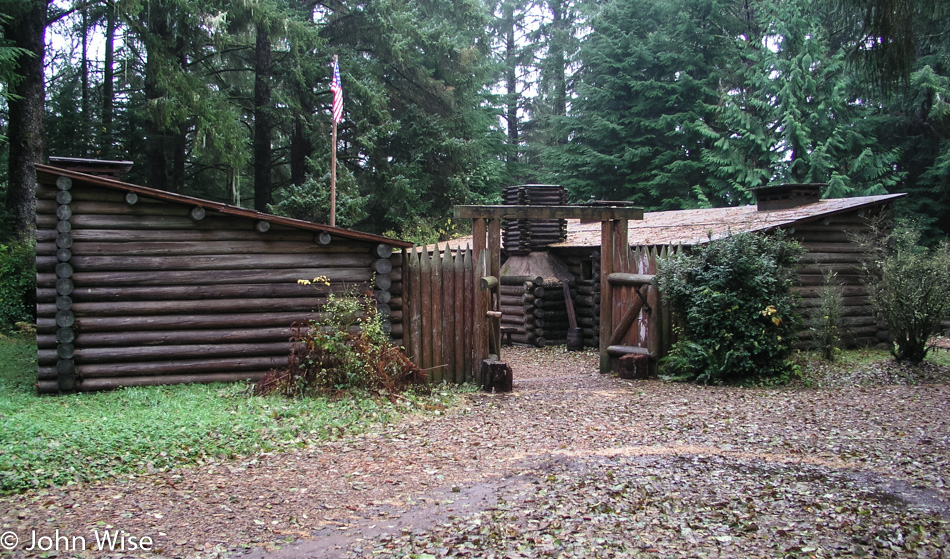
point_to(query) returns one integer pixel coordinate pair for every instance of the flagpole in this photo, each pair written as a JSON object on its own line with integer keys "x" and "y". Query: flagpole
{"x": 333, "y": 179}
{"x": 333, "y": 149}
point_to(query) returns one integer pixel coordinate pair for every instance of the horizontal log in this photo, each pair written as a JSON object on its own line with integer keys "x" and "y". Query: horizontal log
{"x": 806, "y": 237}
{"x": 512, "y": 290}
{"x": 224, "y": 262}
{"x": 817, "y": 278}
{"x": 807, "y": 292}
{"x": 188, "y": 366}
{"x": 192, "y": 321}
{"x": 822, "y": 269}
{"x": 630, "y": 279}
{"x": 487, "y": 283}
{"x": 832, "y": 258}
{"x": 512, "y": 303}
{"x": 619, "y": 350}
{"x": 247, "y": 237}
{"x": 839, "y": 247}
{"x": 86, "y": 356}
{"x": 198, "y": 277}
{"x": 186, "y": 248}
{"x": 174, "y": 337}
{"x": 196, "y": 292}
{"x": 96, "y": 385}
{"x": 300, "y": 305}
{"x": 520, "y": 280}
{"x": 528, "y": 340}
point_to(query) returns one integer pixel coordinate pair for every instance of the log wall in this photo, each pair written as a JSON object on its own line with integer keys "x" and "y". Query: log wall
{"x": 133, "y": 290}
{"x": 829, "y": 247}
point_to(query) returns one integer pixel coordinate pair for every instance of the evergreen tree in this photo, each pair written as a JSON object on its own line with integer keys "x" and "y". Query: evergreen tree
{"x": 650, "y": 71}
{"x": 796, "y": 116}
{"x": 24, "y": 30}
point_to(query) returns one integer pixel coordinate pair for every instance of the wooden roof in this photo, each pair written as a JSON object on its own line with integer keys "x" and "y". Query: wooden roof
{"x": 689, "y": 227}
{"x": 47, "y": 175}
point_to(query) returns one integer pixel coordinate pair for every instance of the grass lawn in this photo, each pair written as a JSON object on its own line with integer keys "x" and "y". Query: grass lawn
{"x": 62, "y": 440}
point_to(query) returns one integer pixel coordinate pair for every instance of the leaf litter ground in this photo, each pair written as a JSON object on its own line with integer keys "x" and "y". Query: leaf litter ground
{"x": 572, "y": 464}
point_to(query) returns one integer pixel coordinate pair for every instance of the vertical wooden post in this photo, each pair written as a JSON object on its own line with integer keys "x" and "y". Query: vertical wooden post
{"x": 494, "y": 270}
{"x": 426, "y": 311}
{"x": 468, "y": 288}
{"x": 416, "y": 308}
{"x": 458, "y": 366}
{"x": 654, "y": 329}
{"x": 606, "y": 296}
{"x": 481, "y": 298}
{"x": 435, "y": 304}
{"x": 333, "y": 176}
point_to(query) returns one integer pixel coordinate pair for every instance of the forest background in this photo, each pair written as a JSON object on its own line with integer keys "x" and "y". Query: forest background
{"x": 666, "y": 103}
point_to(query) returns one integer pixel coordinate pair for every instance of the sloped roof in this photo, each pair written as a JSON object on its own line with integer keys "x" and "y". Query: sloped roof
{"x": 689, "y": 227}
{"x": 47, "y": 175}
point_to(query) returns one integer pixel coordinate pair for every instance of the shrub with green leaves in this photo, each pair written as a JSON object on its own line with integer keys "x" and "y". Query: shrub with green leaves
{"x": 733, "y": 299}
{"x": 345, "y": 349}
{"x": 908, "y": 286}
{"x": 826, "y": 324}
{"x": 17, "y": 285}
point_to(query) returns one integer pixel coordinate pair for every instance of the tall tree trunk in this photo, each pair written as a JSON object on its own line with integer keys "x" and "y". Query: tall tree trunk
{"x": 179, "y": 140}
{"x": 559, "y": 57}
{"x": 301, "y": 148}
{"x": 108, "y": 86}
{"x": 155, "y": 140}
{"x": 84, "y": 117}
{"x": 263, "y": 152}
{"x": 179, "y": 157}
{"x": 511, "y": 84}
{"x": 27, "y": 30}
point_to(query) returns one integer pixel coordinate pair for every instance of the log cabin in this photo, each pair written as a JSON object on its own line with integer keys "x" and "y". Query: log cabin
{"x": 534, "y": 309}
{"x": 138, "y": 286}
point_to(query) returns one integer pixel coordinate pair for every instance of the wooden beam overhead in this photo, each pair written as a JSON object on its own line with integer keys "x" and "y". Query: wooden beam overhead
{"x": 588, "y": 213}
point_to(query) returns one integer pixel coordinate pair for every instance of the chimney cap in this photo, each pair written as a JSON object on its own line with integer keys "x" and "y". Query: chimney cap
{"x": 785, "y": 196}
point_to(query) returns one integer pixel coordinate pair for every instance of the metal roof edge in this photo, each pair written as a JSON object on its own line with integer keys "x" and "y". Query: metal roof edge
{"x": 50, "y": 173}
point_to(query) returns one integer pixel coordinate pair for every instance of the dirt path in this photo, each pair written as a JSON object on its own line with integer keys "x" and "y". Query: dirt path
{"x": 572, "y": 463}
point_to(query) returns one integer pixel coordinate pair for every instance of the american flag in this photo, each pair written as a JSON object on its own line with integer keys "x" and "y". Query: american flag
{"x": 337, "y": 90}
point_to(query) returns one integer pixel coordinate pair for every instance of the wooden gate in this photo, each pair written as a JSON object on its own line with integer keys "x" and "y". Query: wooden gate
{"x": 640, "y": 324}
{"x": 440, "y": 320}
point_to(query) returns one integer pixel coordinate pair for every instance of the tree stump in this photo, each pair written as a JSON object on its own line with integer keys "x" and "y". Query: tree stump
{"x": 634, "y": 367}
{"x": 496, "y": 376}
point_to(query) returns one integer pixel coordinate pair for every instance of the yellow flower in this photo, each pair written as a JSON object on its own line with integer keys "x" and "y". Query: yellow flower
{"x": 303, "y": 282}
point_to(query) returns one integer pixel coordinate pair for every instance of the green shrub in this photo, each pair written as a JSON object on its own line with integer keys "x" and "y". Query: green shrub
{"x": 826, "y": 324}
{"x": 908, "y": 286}
{"x": 17, "y": 285}
{"x": 328, "y": 355}
{"x": 733, "y": 298}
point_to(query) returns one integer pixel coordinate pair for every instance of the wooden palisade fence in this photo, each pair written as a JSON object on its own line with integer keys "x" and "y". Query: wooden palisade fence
{"x": 441, "y": 312}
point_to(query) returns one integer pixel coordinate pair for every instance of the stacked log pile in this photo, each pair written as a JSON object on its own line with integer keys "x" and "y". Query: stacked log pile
{"x": 522, "y": 308}
{"x": 521, "y": 236}
{"x": 134, "y": 290}
{"x": 555, "y": 310}
{"x": 586, "y": 296}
